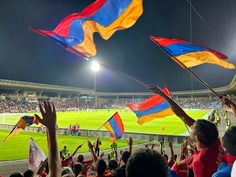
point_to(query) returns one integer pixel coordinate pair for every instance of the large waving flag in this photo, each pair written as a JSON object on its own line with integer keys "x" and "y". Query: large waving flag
{"x": 115, "y": 126}
{"x": 21, "y": 125}
{"x": 36, "y": 156}
{"x": 152, "y": 108}
{"x": 191, "y": 55}
{"x": 75, "y": 32}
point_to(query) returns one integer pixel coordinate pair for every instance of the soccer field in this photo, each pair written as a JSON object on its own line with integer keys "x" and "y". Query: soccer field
{"x": 170, "y": 125}
{"x": 17, "y": 147}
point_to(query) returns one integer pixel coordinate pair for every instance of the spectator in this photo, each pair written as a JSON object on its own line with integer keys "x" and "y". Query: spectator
{"x": 16, "y": 174}
{"x": 120, "y": 172}
{"x": 49, "y": 119}
{"x": 229, "y": 144}
{"x": 204, "y": 162}
{"x": 28, "y": 173}
{"x": 64, "y": 151}
{"x": 146, "y": 162}
{"x": 97, "y": 146}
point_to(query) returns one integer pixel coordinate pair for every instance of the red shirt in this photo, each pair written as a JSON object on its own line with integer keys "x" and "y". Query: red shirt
{"x": 68, "y": 162}
{"x": 205, "y": 162}
{"x": 181, "y": 170}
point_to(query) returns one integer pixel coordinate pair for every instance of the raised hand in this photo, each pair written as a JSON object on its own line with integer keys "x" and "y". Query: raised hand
{"x": 48, "y": 112}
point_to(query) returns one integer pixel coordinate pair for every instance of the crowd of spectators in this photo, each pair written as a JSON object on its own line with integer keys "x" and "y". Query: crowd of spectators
{"x": 203, "y": 154}
{"x": 23, "y": 104}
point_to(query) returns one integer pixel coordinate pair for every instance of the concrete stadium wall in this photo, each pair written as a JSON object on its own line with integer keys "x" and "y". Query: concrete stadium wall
{"x": 100, "y": 133}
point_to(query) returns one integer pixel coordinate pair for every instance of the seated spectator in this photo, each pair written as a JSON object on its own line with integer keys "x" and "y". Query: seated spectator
{"x": 120, "y": 172}
{"x": 101, "y": 167}
{"x": 28, "y": 173}
{"x": 67, "y": 171}
{"x": 146, "y": 162}
{"x": 16, "y": 174}
{"x": 112, "y": 165}
{"x": 229, "y": 143}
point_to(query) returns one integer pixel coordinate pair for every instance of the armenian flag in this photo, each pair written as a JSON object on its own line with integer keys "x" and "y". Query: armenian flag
{"x": 75, "y": 32}
{"x": 115, "y": 126}
{"x": 190, "y": 55}
{"x": 152, "y": 108}
{"x": 21, "y": 125}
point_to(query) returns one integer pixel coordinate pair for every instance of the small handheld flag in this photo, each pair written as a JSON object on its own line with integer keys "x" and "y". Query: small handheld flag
{"x": 152, "y": 108}
{"x": 189, "y": 54}
{"x": 36, "y": 155}
{"x": 75, "y": 32}
{"x": 21, "y": 125}
{"x": 115, "y": 126}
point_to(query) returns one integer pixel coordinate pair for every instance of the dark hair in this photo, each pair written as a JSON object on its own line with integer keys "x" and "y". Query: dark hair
{"x": 101, "y": 166}
{"x": 16, "y": 174}
{"x": 166, "y": 156}
{"x": 206, "y": 132}
{"x": 77, "y": 168}
{"x": 229, "y": 140}
{"x": 28, "y": 173}
{"x": 113, "y": 164}
{"x": 146, "y": 162}
{"x": 125, "y": 156}
{"x": 80, "y": 158}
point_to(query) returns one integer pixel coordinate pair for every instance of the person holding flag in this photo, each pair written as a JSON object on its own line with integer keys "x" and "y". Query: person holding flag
{"x": 205, "y": 160}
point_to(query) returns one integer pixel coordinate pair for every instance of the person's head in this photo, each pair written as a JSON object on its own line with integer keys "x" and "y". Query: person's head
{"x": 112, "y": 165}
{"x": 77, "y": 168}
{"x": 125, "y": 156}
{"x": 146, "y": 162}
{"x": 101, "y": 167}
{"x": 65, "y": 147}
{"x": 67, "y": 171}
{"x": 16, "y": 174}
{"x": 229, "y": 140}
{"x": 28, "y": 173}
{"x": 80, "y": 158}
{"x": 204, "y": 132}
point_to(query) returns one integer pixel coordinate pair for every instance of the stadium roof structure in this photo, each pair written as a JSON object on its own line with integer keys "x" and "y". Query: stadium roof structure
{"x": 38, "y": 87}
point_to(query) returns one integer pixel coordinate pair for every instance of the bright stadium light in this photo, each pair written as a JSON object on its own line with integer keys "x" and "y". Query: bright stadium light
{"x": 95, "y": 66}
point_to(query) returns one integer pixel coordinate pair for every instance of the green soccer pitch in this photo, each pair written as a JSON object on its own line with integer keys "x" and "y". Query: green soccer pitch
{"x": 170, "y": 125}
{"x": 17, "y": 146}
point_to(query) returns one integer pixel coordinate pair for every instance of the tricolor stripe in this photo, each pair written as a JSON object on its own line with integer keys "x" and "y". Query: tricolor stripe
{"x": 75, "y": 32}
{"x": 115, "y": 126}
{"x": 190, "y": 54}
{"x": 152, "y": 108}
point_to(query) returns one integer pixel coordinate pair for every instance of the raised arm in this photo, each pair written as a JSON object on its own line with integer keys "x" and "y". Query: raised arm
{"x": 130, "y": 143}
{"x": 229, "y": 103}
{"x": 174, "y": 106}
{"x": 49, "y": 120}
{"x": 172, "y": 155}
{"x": 90, "y": 146}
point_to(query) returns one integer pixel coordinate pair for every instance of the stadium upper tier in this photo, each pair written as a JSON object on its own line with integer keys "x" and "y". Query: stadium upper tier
{"x": 41, "y": 88}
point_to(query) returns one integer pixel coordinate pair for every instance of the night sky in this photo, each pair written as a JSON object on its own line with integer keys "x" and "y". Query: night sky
{"x": 26, "y": 56}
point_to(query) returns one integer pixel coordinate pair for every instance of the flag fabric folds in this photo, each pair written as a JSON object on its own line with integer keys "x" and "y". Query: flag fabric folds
{"x": 191, "y": 55}
{"x": 36, "y": 156}
{"x": 115, "y": 126}
{"x": 152, "y": 108}
{"x": 75, "y": 32}
{"x": 21, "y": 125}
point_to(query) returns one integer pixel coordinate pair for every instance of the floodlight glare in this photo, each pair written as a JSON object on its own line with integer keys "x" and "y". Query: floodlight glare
{"x": 95, "y": 66}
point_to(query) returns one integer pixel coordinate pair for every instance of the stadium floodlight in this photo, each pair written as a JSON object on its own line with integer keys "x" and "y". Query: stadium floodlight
{"x": 95, "y": 66}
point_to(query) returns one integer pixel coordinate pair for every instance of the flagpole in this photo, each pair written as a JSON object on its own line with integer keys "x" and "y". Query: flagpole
{"x": 187, "y": 69}
{"x": 98, "y": 128}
